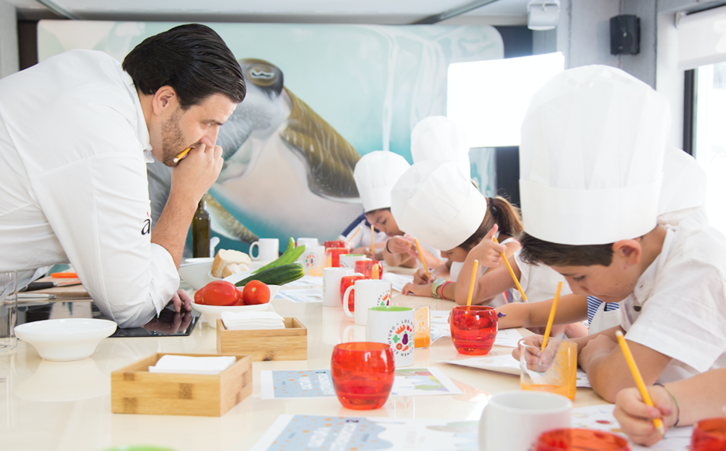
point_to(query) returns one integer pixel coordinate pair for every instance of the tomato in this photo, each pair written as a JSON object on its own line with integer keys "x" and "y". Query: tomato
{"x": 198, "y": 299}
{"x": 239, "y": 298}
{"x": 219, "y": 292}
{"x": 256, "y": 292}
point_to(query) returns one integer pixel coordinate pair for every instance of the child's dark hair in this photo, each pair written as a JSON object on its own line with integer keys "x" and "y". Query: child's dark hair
{"x": 536, "y": 251}
{"x": 501, "y": 212}
{"x": 192, "y": 59}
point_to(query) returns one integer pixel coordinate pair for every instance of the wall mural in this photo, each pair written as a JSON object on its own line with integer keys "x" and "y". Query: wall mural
{"x": 318, "y": 97}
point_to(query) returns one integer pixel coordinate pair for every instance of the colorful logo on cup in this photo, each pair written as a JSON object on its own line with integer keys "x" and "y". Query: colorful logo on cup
{"x": 384, "y": 299}
{"x": 312, "y": 260}
{"x": 400, "y": 337}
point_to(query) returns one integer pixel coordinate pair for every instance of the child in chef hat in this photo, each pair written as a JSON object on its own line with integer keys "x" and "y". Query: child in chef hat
{"x": 591, "y": 165}
{"x": 375, "y": 175}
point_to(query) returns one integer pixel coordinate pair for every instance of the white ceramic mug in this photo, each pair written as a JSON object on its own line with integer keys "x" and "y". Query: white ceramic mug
{"x": 513, "y": 420}
{"x": 268, "y": 249}
{"x": 314, "y": 260}
{"x": 368, "y": 293}
{"x": 331, "y": 285}
{"x": 348, "y": 260}
{"x": 393, "y": 325}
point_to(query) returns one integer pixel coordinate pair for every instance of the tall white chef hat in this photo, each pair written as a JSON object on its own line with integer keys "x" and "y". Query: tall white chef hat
{"x": 440, "y": 138}
{"x": 375, "y": 174}
{"x": 591, "y": 157}
{"x": 435, "y": 203}
{"x": 683, "y": 189}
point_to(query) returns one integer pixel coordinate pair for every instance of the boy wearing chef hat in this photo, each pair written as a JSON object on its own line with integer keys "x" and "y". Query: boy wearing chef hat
{"x": 591, "y": 163}
{"x": 375, "y": 174}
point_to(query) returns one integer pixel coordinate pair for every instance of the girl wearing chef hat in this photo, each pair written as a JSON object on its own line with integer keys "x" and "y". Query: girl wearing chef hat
{"x": 591, "y": 165}
{"x": 438, "y": 205}
{"x": 375, "y": 175}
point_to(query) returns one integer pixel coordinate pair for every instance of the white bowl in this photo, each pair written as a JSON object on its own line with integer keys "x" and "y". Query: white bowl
{"x": 64, "y": 340}
{"x": 214, "y": 312}
{"x": 197, "y": 274}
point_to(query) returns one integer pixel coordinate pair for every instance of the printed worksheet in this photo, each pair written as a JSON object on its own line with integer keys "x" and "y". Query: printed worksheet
{"x": 601, "y": 418}
{"x": 306, "y": 282}
{"x": 398, "y": 281}
{"x": 306, "y": 432}
{"x": 302, "y": 295}
{"x": 318, "y": 383}
{"x": 506, "y": 364}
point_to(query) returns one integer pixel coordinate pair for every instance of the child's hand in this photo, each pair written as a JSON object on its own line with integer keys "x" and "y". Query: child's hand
{"x": 399, "y": 245}
{"x": 636, "y": 417}
{"x": 417, "y": 290}
{"x": 532, "y": 340}
{"x": 420, "y": 277}
{"x": 487, "y": 251}
{"x": 599, "y": 345}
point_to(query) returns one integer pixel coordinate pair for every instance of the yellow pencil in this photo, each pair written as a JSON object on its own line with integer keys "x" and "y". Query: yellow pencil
{"x": 354, "y": 234}
{"x": 373, "y": 240}
{"x": 420, "y": 254}
{"x": 183, "y": 154}
{"x": 511, "y": 272}
{"x": 638, "y": 379}
{"x": 473, "y": 281}
{"x": 551, "y": 319}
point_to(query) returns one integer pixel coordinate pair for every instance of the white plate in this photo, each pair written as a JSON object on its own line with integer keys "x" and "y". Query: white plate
{"x": 64, "y": 340}
{"x": 196, "y": 274}
{"x": 214, "y": 312}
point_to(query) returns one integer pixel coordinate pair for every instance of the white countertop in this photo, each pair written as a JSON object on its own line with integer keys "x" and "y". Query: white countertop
{"x": 67, "y": 406}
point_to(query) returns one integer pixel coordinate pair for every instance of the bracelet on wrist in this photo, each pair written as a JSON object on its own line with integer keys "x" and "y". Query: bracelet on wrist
{"x": 389, "y": 251}
{"x": 435, "y": 287}
{"x": 441, "y": 290}
{"x": 675, "y": 401}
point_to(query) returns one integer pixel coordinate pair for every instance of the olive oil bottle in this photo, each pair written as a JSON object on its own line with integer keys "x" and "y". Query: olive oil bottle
{"x": 201, "y": 231}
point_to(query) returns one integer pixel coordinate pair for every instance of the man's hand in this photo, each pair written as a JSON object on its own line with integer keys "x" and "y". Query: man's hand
{"x": 417, "y": 290}
{"x": 181, "y": 300}
{"x": 636, "y": 417}
{"x": 197, "y": 172}
{"x": 597, "y": 347}
{"x": 420, "y": 277}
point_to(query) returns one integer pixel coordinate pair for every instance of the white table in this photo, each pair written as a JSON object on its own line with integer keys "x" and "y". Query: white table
{"x": 66, "y": 406}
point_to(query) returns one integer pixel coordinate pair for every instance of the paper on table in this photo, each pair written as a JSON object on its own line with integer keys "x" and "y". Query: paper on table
{"x": 398, "y": 281}
{"x": 303, "y": 295}
{"x": 440, "y": 316}
{"x": 192, "y": 365}
{"x": 306, "y": 282}
{"x": 304, "y": 432}
{"x": 318, "y": 383}
{"x": 601, "y": 418}
{"x": 508, "y": 337}
{"x": 507, "y": 364}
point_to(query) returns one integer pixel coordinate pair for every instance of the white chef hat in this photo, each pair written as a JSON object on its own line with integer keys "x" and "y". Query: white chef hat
{"x": 683, "y": 189}
{"x": 437, "y": 138}
{"x": 375, "y": 174}
{"x": 591, "y": 157}
{"x": 435, "y": 203}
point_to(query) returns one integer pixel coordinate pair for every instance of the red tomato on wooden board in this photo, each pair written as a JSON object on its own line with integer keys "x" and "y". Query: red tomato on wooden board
{"x": 219, "y": 292}
{"x": 256, "y": 292}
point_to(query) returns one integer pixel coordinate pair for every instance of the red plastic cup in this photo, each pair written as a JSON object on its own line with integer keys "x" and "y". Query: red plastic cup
{"x": 335, "y": 244}
{"x": 333, "y": 254}
{"x": 580, "y": 440}
{"x": 363, "y": 374}
{"x": 473, "y": 329}
{"x": 345, "y": 282}
{"x": 365, "y": 267}
{"x": 709, "y": 435}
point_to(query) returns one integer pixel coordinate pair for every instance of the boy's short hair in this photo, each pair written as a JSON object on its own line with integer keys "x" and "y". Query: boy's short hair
{"x": 535, "y": 251}
{"x": 193, "y": 59}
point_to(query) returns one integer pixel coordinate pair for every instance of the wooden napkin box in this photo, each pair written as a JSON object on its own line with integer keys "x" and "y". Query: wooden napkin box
{"x": 290, "y": 343}
{"x": 135, "y": 390}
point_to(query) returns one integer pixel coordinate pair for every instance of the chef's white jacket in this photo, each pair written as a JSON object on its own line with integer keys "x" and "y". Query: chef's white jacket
{"x": 73, "y": 152}
{"x": 678, "y": 306}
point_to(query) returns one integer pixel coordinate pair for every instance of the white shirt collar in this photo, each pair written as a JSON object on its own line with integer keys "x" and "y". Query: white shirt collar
{"x": 142, "y": 132}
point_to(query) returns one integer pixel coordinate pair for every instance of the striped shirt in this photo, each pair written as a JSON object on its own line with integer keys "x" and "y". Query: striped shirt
{"x": 593, "y": 304}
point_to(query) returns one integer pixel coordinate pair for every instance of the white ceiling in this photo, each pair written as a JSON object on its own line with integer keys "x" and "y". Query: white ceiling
{"x": 505, "y": 12}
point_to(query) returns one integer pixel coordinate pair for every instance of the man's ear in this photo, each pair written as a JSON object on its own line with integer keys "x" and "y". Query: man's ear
{"x": 630, "y": 251}
{"x": 164, "y": 100}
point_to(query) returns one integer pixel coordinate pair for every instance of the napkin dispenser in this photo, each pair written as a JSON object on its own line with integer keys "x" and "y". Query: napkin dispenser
{"x": 290, "y": 343}
{"x": 135, "y": 390}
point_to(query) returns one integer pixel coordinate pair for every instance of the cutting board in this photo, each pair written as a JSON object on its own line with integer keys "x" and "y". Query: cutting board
{"x": 75, "y": 291}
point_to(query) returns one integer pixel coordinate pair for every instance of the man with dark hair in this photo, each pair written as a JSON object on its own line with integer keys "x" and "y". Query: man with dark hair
{"x": 593, "y": 196}
{"x": 76, "y": 132}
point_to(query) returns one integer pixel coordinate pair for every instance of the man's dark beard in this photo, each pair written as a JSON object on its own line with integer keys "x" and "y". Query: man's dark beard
{"x": 172, "y": 140}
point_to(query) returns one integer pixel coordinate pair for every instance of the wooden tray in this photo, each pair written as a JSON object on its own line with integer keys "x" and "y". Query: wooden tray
{"x": 290, "y": 343}
{"x": 135, "y": 390}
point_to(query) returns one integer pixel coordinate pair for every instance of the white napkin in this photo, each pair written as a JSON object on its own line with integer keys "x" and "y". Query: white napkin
{"x": 252, "y": 320}
{"x": 192, "y": 365}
